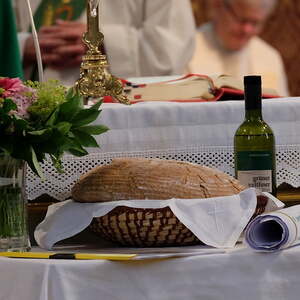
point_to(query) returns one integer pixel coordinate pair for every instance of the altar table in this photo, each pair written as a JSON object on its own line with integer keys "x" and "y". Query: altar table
{"x": 231, "y": 274}
{"x": 196, "y": 132}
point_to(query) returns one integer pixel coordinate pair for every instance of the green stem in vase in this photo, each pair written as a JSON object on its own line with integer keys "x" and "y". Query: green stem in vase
{"x": 11, "y": 212}
{"x": 13, "y": 227}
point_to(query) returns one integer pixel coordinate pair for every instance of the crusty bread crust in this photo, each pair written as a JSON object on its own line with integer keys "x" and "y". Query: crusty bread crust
{"x": 142, "y": 178}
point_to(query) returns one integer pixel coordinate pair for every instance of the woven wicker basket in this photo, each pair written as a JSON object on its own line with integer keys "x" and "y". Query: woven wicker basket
{"x": 143, "y": 178}
{"x": 140, "y": 227}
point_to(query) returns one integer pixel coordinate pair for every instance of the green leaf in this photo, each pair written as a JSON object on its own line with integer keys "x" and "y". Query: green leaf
{"x": 85, "y": 139}
{"x": 54, "y": 144}
{"x": 19, "y": 148}
{"x": 21, "y": 124}
{"x": 68, "y": 143}
{"x": 53, "y": 117}
{"x": 63, "y": 127}
{"x": 85, "y": 117}
{"x": 37, "y": 137}
{"x": 37, "y": 167}
{"x": 96, "y": 105}
{"x": 93, "y": 129}
{"x": 38, "y": 132}
{"x": 75, "y": 152}
{"x": 57, "y": 163}
{"x": 75, "y": 146}
{"x": 70, "y": 108}
{"x": 9, "y": 105}
{"x": 6, "y": 147}
{"x": 71, "y": 93}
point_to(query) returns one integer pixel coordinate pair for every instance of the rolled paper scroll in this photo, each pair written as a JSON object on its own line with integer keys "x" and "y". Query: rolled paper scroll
{"x": 274, "y": 231}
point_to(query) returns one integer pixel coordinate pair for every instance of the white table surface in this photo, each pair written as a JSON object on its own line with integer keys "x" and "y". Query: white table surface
{"x": 235, "y": 274}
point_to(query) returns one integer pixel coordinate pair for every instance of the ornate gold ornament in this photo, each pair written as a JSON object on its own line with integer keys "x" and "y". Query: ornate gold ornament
{"x": 95, "y": 81}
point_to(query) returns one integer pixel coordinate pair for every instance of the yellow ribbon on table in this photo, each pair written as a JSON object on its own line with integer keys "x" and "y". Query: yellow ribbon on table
{"x": 76, "y": 256}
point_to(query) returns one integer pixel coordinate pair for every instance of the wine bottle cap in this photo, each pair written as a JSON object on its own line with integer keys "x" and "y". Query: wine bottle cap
{"x": 252, "y": 79}
{"x": 252, "y": 85}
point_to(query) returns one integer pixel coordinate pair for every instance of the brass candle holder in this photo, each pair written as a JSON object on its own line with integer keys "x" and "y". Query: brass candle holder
{"x": 95, "y": 81}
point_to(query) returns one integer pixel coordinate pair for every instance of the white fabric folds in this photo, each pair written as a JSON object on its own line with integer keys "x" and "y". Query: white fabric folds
{"x": 217, "y": 222}
{"x": 274, "y": 231}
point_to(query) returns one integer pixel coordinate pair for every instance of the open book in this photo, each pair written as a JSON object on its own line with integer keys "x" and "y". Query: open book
{"x": 190, "y": 88}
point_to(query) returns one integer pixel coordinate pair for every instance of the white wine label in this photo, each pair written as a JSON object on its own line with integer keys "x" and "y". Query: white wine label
{"x": 260, "y": 179}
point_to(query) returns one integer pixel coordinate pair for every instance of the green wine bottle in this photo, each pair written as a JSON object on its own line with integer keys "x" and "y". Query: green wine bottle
{"x": 254, "y": 143}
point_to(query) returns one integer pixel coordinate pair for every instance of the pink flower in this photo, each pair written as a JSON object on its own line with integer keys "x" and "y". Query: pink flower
{"x": 11, "y": 86}
{"x": 23, "y": 99}
{"x": 21, "y": 94}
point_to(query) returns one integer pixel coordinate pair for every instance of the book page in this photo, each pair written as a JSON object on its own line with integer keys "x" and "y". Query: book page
{"x": 228, "y": 81}
{"x": 190, "y": 87}
{"x": 186, "y": 88}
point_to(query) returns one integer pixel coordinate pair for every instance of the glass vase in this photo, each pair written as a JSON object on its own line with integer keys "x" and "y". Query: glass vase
{"x": 13, "y": 205}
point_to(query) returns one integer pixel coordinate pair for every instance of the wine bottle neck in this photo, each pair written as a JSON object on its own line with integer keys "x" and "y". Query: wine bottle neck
{"x": 253, "y": 114}
{"x": 252, "y": 93}
{"x": 253, "y": 104}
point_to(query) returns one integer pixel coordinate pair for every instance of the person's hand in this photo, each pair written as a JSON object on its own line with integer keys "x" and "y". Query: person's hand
{"x": 69, "y": 52}
{"x": 61, "y": 45}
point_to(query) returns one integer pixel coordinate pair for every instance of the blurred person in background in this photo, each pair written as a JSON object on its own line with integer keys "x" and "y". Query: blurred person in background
{"x": 142, "y": 37}
{"x": 229, "y": 44}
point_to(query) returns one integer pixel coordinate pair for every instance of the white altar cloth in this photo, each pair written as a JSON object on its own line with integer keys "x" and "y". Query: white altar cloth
{"x": 196, "y": 132}
{"x": 235, "y": 274}
{"x": 167, "y": 125}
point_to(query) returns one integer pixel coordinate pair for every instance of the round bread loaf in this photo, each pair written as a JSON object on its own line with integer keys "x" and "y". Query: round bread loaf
{"x": 142, "y": 178}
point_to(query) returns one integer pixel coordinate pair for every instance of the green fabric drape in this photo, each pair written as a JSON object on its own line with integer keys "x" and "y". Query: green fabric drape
{"x": 10, "y": 59}
{"x": 50, "y": 10}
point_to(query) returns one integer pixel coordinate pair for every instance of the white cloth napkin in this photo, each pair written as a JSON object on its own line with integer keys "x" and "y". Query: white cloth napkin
{"x": 217, "y": 222}
{"x": 274, "y": 231}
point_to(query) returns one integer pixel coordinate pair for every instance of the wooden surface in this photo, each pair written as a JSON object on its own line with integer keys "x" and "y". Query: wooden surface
{"x": 281, "y": 31}
{"x": 289, "y": 195}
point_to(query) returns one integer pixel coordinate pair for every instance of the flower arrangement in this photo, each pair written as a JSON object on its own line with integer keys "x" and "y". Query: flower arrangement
{"x": 36, "y": 120}
{"x": 39, "y": 119}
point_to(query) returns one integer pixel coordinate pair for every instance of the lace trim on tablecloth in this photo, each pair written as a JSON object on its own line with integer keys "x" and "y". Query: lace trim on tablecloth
{"x": 59, "y": 186}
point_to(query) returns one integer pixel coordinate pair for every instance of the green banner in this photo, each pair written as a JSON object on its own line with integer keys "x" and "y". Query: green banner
{"x": 10, "y": 59}
{"x": 51, "y": 10}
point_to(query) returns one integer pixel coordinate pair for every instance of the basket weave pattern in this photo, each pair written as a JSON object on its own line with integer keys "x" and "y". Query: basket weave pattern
{"x": 139, "y": 227}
